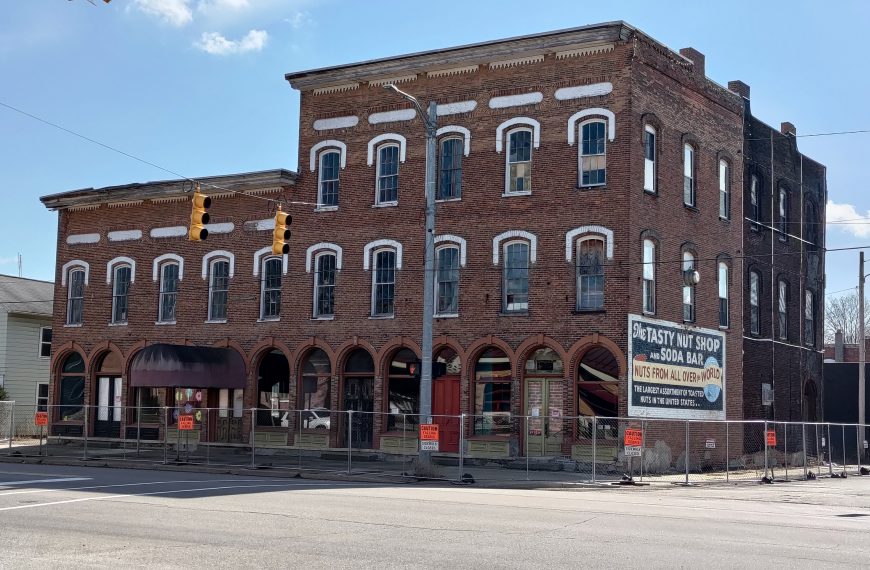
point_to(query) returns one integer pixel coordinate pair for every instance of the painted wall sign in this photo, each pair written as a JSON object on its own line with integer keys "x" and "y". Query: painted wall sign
{"x": 675, "y": 371}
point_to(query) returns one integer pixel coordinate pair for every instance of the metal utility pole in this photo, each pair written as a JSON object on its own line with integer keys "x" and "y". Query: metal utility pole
{"x": 430, "y": 119}
{"x": 861, "y": 355}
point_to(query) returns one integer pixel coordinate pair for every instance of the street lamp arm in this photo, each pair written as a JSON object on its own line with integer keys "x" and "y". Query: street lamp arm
{"x": 416, "y": 103}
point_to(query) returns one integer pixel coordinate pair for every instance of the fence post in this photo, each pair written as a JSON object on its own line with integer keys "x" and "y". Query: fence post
{"x": 253, "y": 438}
{"x": 830, "y": 452}
{"x": 349, "y": 439}
{"x": 727, "y": 451}
{"x": 138, "y": 421}
{"x": 687, "y": 452}
{"x": 843, "y": 439}
{"x": 461, "y": 445}
{"x": 804, "y": 444}
{"x": 207, "y": 434}
{"x": 766, "y": 450}
{"x": 594, "y": 443}
{"x": 11, "y": 425}
{"x": 858, "y": 446}
{"x": 85, "y": 434}
{"x": 165, "y": 430}
{"x": 404, "y": 451}
{"x": 785, "y": 443}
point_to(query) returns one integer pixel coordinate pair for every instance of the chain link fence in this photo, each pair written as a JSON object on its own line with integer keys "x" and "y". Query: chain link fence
{"x": 495, "y": 448}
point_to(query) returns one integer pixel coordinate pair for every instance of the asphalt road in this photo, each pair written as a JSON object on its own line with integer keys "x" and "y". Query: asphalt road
{"x": 64, "y": 517}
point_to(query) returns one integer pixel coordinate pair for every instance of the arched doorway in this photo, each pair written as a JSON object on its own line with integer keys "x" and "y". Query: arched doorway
{"x": 273, "y": 390}
{"x": 403, "y": 391}
{"x": 544, "y": 375}
{"x": 598, "y": 394}
{"x": 358, "y": 395}
{"x": 446, "y": 369}
{"x": 71, "y": 397}
{"x": 809, "y": 405}
{"x": 107, "y": 396}
{"x": 314, "y": 391}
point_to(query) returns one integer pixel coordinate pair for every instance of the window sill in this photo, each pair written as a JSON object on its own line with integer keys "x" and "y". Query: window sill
{"x": 588, "y": 311}
{"x": 446, "y": 316}
{"x": 73, "y": 326}
{"x": 381, "y": 317}
{"x": 439, "y": 201}
{"x": 649, "y": 313}
{"x": 326, "y": 209}
{"x": 725, "y": 328}
{"x": 164, "y": 323}
{"x": 329, "y": 318}
{"x": 724, "y": 219}
{"x": 593, "y": 187}
{"x": 117, "y": 324}
{"x": 269, "y": 320}
{"x": 386, "y": 205}
{"x": 691, "y": 208}
{"x": 649, "y": 192}
{"x": 512, "y": 194}
{"x": 489, "y": 437}
{"x": 514, "y": 313}
{"x": 216, "y": 322}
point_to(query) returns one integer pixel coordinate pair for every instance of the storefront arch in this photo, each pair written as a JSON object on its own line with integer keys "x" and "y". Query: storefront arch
{"x": 272, "y": 389}
{"x": 70, "y": 412}
{"x": 402, "y": 390}
{"x": 544, "y": 401}
{"x": 314, "y": 389}
{"x": 491, "y": 390}
{"x": 358, "y": 385}
{"x": 107, "y": 393}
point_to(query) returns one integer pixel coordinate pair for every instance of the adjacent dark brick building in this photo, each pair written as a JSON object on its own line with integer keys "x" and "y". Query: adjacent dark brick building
{"x": 562, "y": 156}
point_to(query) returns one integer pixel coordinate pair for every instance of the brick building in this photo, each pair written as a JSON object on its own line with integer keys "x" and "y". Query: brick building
{"x": 582, "y": 175}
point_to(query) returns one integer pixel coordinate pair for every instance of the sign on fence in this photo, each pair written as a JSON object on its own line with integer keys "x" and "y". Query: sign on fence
{"x": 633, "y": 437}
{"x": 428, "y": 432}
{"x": 710, "y": 443}
{"x": 185, "y": 422}
{"x": 771, "y": 438}
{"x": 675, "y": 371}
{"x": 426, "y": 445}
{"x": 40, "y": 419}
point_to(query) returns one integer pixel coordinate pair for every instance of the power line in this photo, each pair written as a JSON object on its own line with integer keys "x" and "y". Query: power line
{"x": 840, "y": 291}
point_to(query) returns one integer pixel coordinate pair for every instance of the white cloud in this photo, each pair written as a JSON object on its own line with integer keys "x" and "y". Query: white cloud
{"x": 854, "y": 223}
{"x": 212, "y": 6}
{"x": 8, "y": 260}
{"x": 299, "y": 19}
{"x": 174, "y": 12}
{"x": 216, "y": 44}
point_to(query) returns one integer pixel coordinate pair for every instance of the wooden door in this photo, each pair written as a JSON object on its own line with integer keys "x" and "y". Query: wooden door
{"x": 445, "y": 402}
{"x": 544, "y": 423}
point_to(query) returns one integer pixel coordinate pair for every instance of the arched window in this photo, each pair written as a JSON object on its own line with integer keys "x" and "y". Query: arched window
{"x": 724, "y": 319}
{"x": 403, "y": 389}
{"x": 724, "y": 189}
{"x": 168, "y": 292}
{"x": 492, "y": 393}
{"x": 273, "y": 390}
{"x": 688, "y": 287}
{"x": 649, "y": 276}
{"x": 75, "y": 299}
{"x": 518, "y": 170}
{"x": 515, "y": 280}
{"x": 590, "y": 273}
{"x": 811, "y": 225}
{"x": 270, "y": 289}
{"x": 593, "y": 158}
{"x": 688, "y": 175}
{"x": 72, "y": 388}
{"x": 649, "y": 159}
{"x": 447, "y": 280}
{"x": 328, "y": 179}
{"x": 782, "y": 309}
{"x": 121, "y": 279}
{"x": 783, "y": 214}
{"x": 755, "y": 201}
{"x": 218, "y": 289}
{"x": 383, "y": 282}
{"x": 809, "y": 318}
{"x": 324, "y": 284}
{"x": 754, "y": 299}
{"x": 598, "y": 392}
{"x": 314, "y": 390}
{"x": 387, "y": 191}
{"x": 447, "y": 361}
{"x": 450, "y": 169}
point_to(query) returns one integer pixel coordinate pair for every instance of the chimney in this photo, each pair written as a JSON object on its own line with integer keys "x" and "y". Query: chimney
{"x": 787, "y": 128}
{"x": 697, "y": 59}
{"x": 838, "y": 346}
{"x": 739, "y": 87}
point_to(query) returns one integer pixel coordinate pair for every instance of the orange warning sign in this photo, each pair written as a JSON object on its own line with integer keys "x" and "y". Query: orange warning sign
{"x": 633, "y": 437}
{"x": 185, "y": 422}
{"x": 428, "y": 432}
{"x": 771, "y": 438}
{"x": 41, "y": 418}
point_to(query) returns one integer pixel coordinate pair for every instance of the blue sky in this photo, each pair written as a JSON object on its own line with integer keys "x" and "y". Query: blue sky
{"x": 197, "y": 86}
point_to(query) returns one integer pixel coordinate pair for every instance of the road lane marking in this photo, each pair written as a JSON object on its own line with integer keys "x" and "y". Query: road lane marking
{"x": 61, "y": 480}
{"x": 124, "y": 495}
{"x": 29, "y": 491}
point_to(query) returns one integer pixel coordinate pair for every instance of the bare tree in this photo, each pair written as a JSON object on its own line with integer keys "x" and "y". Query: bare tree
{"x": 841, "y": 313}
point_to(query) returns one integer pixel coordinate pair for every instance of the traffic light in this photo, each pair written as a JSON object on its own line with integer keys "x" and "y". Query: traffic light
{"x": 282, "y": 233}
{"x": 199, "y": 216}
